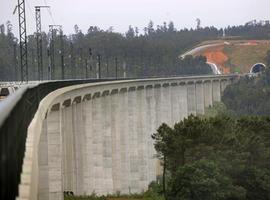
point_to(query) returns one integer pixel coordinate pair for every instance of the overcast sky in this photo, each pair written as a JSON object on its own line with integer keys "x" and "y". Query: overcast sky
{"x": 122, "y": 13}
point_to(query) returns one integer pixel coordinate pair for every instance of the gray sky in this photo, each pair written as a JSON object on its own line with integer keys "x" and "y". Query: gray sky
{"x": 122, "y": 13}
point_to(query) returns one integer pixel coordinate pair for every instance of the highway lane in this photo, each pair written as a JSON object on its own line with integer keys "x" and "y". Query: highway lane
{"x": 196, "y": 50}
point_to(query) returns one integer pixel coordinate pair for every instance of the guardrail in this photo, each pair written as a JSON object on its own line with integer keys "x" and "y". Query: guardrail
{"x": 14, "y": 121}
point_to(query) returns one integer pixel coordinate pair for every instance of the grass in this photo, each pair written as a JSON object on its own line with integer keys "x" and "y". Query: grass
{"x": 85, "y": 198}
{"x": 243, "y": 58}
{"x": 112, "y": 198}
{"x": 144, "y": 196}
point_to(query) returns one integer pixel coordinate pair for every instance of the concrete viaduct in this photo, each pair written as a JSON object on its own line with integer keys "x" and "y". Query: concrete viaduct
{"x": 96, "y": 137}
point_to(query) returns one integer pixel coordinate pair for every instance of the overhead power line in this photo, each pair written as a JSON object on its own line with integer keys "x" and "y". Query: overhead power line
{"x": 30, "y": 8}
{"x": 52, "y": 29}
{"x": 49, "y": 11}
{"x": 23, "y": 41}
{"x": 39, "y": 41}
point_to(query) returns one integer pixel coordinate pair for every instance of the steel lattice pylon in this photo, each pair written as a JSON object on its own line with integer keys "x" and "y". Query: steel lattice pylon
{"x": 39, "y": 41}
{"x": 53, "y": 30}
{"x": 23, "y": 41}
{"x": 62, "y": 55}
{"x": 39, "y": 44}
{"x": 52, "y": 67}
{"x": 72, "y": 62}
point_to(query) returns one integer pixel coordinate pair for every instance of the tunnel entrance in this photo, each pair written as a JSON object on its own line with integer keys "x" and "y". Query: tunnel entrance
{"x": 257, "y": 68}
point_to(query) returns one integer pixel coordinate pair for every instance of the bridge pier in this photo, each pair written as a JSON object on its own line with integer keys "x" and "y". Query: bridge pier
{"x": 107, "y": 143}
{"x": 183, "y": 100}
{"x": 133, "y": 134}
{"x": 208, "y": 94}
{"x": 97, "y": 137}
{"x": 191, "y": 98}
{"x": 165, "y": 104}
{"x": 141, "y": 138}
{"x": 157, "y": 99}
{"x": 79, "y": 142}
{"x": 123, "y": 141}
{"x": 116, "y": 148}
{"x": 54, "y": 154}
{"x": 68, "y": 155}
{"x": 216, "y": 91}
{"x": 175, "y": 104}
{"x": 151, "y": 119}
{"x": 89, "y": 154}
{"x": 43, "y": 183}
{"x": 199, "y": 97}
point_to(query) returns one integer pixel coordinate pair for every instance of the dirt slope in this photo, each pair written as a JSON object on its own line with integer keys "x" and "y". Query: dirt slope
{"x": 236, "y": 55}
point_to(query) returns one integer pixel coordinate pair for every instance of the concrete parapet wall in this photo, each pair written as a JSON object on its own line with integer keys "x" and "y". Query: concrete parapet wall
{"x": 97, "y": 137}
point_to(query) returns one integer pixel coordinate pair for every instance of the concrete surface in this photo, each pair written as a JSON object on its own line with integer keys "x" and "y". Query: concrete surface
{"x": 97, "y": 137}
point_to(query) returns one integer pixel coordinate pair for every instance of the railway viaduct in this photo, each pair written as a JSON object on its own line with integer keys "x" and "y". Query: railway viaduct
{"x": 96, "y": 137}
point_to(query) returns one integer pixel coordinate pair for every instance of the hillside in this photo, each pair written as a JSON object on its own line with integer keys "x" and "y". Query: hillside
{"x": 234, "y": 55}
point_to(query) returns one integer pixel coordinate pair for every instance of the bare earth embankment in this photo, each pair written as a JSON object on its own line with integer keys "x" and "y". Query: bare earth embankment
{"x": 234, "y": 55}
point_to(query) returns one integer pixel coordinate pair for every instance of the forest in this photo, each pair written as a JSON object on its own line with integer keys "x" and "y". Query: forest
{"x": 251, "y": 30}
{"x": 216, "y": 158}
{"x": 153, "y": 51}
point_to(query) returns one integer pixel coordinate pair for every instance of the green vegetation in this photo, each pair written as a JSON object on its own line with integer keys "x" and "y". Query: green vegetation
{"x": 152, "y": 194}
{"x": 153, "y": 51}
{"x": 225, "y": 154}
{"x": 242, "y": 57}
{"x": 251, "y": 30}
{"x": 218, "y": 108}
{"x": 250, "y": 95}
{"x": 216, "y": 158}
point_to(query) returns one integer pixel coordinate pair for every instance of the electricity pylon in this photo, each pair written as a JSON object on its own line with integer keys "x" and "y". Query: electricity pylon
{"x": 39, "y": 41}
{"x": 52, "y": 29}
{"x": 23, "y": 40}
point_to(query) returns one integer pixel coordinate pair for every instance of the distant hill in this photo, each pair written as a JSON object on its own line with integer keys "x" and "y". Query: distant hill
{"x": 235, "y": 55}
